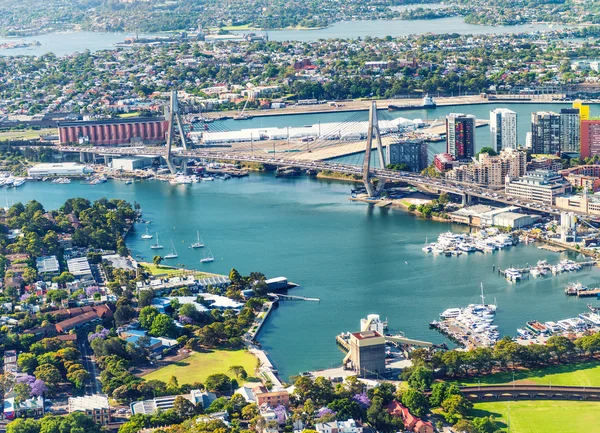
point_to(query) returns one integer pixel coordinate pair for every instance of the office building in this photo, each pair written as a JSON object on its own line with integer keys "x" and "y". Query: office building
{"x": 590, "y": 138}
{"x": 114, "y": 132}
{"x": 569, "y": 130}
{"x": 367, "y": 353}
{"x": 80, "y": 269}
{"x": 491, "y": 170}
{"x": 503, "y": 129}
{"x": 95, "y": 406}
{"x": 545, "y": 132}
{"x": 410, "y": 152}
{"x": 540, "y": 186}
{"x": 584, "y": 110}
{"x": 460, "y": 136}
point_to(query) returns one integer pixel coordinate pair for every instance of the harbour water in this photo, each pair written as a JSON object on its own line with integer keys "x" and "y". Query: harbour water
{"x": 356, "y": 259}
{"x": 66, "y": 43}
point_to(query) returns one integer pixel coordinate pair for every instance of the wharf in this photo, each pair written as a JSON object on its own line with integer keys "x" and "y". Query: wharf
{"x": 233, "y": 172}
{"x": 590, "y": 293}
{"x": 458, "y": 333}
{"x": 552, "y": 248}
{"x": 546, "y": 267}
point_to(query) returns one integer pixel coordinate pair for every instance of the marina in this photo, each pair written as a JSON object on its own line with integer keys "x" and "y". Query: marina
{"x": 535, "y": 331}
{"x": 455, "y": 244}
{"x": 472, "y": 326}
{"x": 543, "y": 269}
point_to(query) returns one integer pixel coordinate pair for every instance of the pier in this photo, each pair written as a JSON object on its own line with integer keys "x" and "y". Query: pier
{"x": 545, "y": 268}
{"x": 589, "y": 293}
{"x": 281, "y": 297}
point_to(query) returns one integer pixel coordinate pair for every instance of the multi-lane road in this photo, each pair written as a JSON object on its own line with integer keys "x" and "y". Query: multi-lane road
{"x": 418, "y": 180}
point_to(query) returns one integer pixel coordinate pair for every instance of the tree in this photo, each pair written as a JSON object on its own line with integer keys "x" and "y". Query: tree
{"x": 163, "y": 326}
{"x": 145, "y": 298}
{"x": 485, "y": 424}
{"x": 23, "y": 425}
{"x": 415, "y": 401}
{"x": 440, "y": 391}
{"x": 455, "y": 406}
{"x": 147, "y": 315}
{"x": 184, "y": 408}
{"x": 420, "y": 378}
{"x": 157, "y": 260}
{"x": 465, "y": 426}
{"x": 345, "y": 409}
{"x": 238, "y": 371}
{"x": 49, "y": 374}
{"x": 219, "y": 383}
{"x": 380, "y": 419}
{"x": 488, "y": 150}
{"x": 561, "y": 347}
{"x": 27, "y": 362}
{"x": 235, "y": 276}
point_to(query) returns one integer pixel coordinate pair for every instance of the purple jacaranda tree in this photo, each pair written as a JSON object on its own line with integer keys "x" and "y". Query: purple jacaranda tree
{"x": 362, "y": 399}
{"x": 38, "y": 387}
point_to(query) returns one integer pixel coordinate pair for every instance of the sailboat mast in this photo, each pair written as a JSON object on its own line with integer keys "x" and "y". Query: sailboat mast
{"x": 482, "y": 297}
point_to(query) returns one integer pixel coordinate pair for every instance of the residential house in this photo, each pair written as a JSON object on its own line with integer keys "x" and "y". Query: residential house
{"x": 411, "y": 422}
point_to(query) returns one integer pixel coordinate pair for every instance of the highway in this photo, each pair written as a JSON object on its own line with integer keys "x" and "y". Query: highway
{"x": 434, "y": 185}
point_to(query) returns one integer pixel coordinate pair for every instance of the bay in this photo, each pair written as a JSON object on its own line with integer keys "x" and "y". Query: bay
{"x": 67, "y": 43}
{"x": 351, "y": 256}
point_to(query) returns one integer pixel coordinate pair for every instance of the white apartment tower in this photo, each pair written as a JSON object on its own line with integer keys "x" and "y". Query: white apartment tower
{"x": 503, "y": 129}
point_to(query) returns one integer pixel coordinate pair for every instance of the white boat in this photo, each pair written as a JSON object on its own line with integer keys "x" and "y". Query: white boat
{"x": 198, "y": 243}
{"x": 207, "y": 257}
{"x": 146, "y": 235}
{"x": 450, "y": 313}
{"x": 513, "y": 274}
{"x": 208, "y": 179}
{"x": 173, "y": 254}
{"x": 18, "y": 182}
{"x": 156, "y": 246}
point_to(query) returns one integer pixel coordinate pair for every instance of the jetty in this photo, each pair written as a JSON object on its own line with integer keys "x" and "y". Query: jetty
{"x": 282, "y": 297}
{"x": 543, "y": 268}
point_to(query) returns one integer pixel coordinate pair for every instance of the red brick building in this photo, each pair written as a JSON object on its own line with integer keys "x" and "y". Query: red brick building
{"x": 113, "y": 132}
{"x": 411, "y": 422}
{"x": 590, "y": 138}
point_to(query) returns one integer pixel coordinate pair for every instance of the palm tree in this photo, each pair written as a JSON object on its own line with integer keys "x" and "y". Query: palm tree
{"x": 157, "y": 260}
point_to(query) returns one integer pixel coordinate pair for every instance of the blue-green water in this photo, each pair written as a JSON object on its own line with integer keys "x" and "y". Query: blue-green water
{"x": 70, "y": 42}
{"x": 348, "y": 254}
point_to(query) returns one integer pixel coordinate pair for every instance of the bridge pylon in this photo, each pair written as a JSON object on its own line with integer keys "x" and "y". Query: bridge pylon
{"x": 173, "y": 116}
{"x": 373, "y": 132}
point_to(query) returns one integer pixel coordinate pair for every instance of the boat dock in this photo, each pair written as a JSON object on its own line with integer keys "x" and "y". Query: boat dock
{"x": 543, "y": 269}
{"x": 584, "y": 292}
{"x": 460, "y": 334}
{"x": 233, "y": 172}
{"x": 281, "y": 297}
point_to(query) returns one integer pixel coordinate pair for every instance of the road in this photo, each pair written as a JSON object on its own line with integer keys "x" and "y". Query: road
{"x": 92, "y": 387}
{"x": 433, "y": 185}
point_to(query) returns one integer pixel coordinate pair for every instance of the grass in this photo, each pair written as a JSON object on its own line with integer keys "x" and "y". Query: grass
{"x": 584, "y": 374}
{"x": 26, "y": 134}
{"x": 549, "y": 416}
{"x": 169, "y": 271}
{"x": 199, "y": 366}
{"x": 128, "y": 115}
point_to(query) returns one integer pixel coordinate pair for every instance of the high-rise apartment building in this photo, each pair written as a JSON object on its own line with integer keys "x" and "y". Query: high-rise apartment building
{"x": 503, "y": 129}
{"x": 545, "y": 132}
{"x": 570, "y": 128}
{"x": 460, "y": 135}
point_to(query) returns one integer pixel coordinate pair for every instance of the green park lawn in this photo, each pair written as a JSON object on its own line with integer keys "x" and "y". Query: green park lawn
{"x": 169, "y": 271}
{"x": 584, "y": 374}
{"x": 544, "y": 416}
{"x": 198, "y": 366}
{"x": 26, "y": 134}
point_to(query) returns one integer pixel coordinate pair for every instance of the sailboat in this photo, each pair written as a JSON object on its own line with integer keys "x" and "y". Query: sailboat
{"x": 146, "y": 235}
{"x": 491, "y": 307}
{"x": 173, "y": 254}
{"x": 198, "y": 243}
{"x": 207, "y": 257}
{"x": 156, "y": 246}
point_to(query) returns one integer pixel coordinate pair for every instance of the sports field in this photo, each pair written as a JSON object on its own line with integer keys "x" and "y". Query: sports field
{"x": 585, "y": 374}
{"x": 198, "y": 366}
{"x": 539, "y": 416}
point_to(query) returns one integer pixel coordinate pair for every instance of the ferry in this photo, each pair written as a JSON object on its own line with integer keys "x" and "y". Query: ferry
{"x": 450, "y": 313}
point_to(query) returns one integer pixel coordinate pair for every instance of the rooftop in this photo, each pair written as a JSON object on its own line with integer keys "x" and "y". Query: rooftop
{"x": 112, "y": 121}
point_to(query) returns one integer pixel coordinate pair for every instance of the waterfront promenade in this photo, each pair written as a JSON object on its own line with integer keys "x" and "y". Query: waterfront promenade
{"x": 382, "y": 104}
